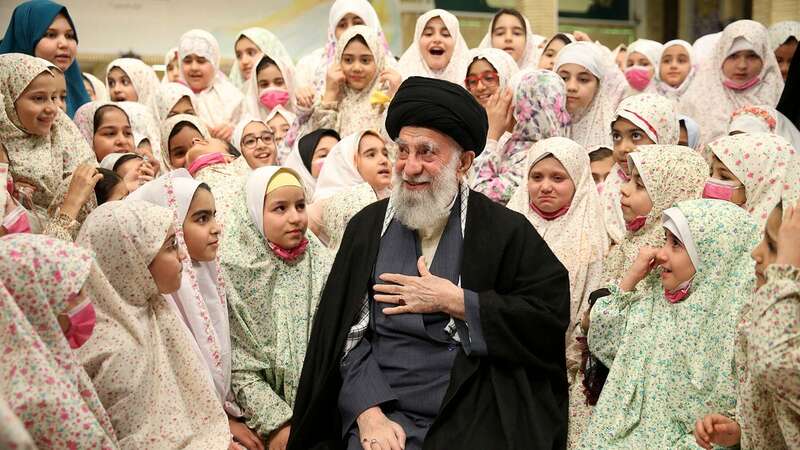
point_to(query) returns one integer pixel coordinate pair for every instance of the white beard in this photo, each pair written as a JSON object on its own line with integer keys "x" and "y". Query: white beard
{"x": 424, "y": 209}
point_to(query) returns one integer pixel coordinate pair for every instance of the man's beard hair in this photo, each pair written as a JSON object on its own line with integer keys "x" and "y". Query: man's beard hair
{"x": 423, "y": 209}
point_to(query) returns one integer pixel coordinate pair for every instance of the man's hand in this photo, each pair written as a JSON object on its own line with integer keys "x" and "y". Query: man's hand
{"x": 426, "y": 293}
{"x": 377, "y": 432}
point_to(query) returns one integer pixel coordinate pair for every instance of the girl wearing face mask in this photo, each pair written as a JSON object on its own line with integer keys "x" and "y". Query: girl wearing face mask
{"x": 175, "y": 98}
{"x": 357, "y": 172}
{"x": 641, "y": 65}
{"x": 275, "y": 270}
{"x": 359, "y": 86}
{"x": 219, "y": 102}
{"x": 595, "y": 86}
{"x": 661, "y": 175}
{"x": 742, "y": 71}
{"x": 667, "y": 329}
{"x": 676, "y": 69}
{"x": 643, "y": 119}
{"x": 750, "y": 170}
{"x": 44, "y": 29}
{"x": 308, "y": 156}
{"x": 201, "y": 301}
{"x": 155, "y": 403}
{"x": 312, "y": 68}
{"x": 131, "y": 80}
{"x": 271, "y": 85}
{"x": 552, "y": 49}
{"x": 539, "y": 113}
{"x": 249, "y": 46}
{"x": 511, "y": 32}
{"x": 44, "y": 149}
{"x": 46, "y": 314}
{"x": 766, "y": 414}
{"x": 438, "y": 51}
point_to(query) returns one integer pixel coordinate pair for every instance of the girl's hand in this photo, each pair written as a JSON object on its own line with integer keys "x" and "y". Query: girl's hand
{"x": 244, "y": 436}
{"x": 642, "y": 265}
{"x": 80, "y": 190}
{"x": 789, "y": 237}
{"x": 392, "y": 78}
{"x": 223, "y": 131}
{"x": 334, "y": 81}
{"x": 279, "y": 438}
{"x": 716, "y": 429}
{"x": 499, "y": 112}
{"x": 305, "y": 96}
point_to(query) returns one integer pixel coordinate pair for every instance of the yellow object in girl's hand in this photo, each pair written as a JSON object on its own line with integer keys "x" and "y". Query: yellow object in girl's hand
{"x": 379, "y": 98}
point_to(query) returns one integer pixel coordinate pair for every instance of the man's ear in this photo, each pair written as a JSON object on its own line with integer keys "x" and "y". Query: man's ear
{"x": 465, "y": 161}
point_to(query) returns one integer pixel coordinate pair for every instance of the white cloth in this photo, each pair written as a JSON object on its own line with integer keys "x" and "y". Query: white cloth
{"x": 530, "y": 57}
{"x": 295, "y": 162}
{"x": 143, "y": 78}
{"x": 340, "y": 171}
{"x": 143, "y": 124}
{"x": 710, "y": 102}
{"x": 170, "y": 94}
{"x": 503, "y": 64}
{"x": 221, "y": 102}
{"x": 111, "y": 159}
{"x": 692, "y": 130}
{"x": 665, "y": 89}
{"x": 780, "y": 32}
{"x": 412, "y": 62}
{"x": 171, "y": 55}
{"x": 100, "y": 90}
{"x": 201, "y": 299}
{"x": 592, "y": 126}
{"x": 675, "y": 221}
{"x": 705, "y": 46}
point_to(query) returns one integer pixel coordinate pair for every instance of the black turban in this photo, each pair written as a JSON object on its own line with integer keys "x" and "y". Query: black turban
{"x": 308, "y": 143}
{"x": 442, "y": 106}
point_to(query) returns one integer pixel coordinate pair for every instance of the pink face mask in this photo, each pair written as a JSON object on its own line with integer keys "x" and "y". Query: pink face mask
{"x": 678, "y": 294}
{"x": 318, "y": 164}
{"x": 272, "y": 97}
{"x": 206, "y": 160}
{"x": 291, "y": 254}
{"x": 638, "y": 77}
{"x": 81, "y": 324}
{"x": 636, "y": 224}
{"x": 549, "y": 216}
{"x": 741, "y": 86}
{"x": 720, "y": 189}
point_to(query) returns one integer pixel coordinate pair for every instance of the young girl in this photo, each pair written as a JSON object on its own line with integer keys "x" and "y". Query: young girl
{"x": 256, "y": 142}
{"x": 639, "y": 120}
{"x": 44, "y": 29}
{"x": 45, "y": 314}
{"x": 44, "y": 148}
{"x": 553, "y": 48}
{"x": 511, "y": 32}
{"x": 275, "y": 271}
{"x": 750, "y": 170}
{"x": 106, "y": 127}
{"x": 661, "y": 175}
{"x": 172, "y": 70}
{"x": 676, "y": 69}
{"x": 641, "y": 65}
{"x": 488, "y": 78}
{"x": 601, "y": 160}
{"x": 438, "y": 51}
{"x": 270, "y": 85}
{"x": 539, "y": 113}
{"x": 763, "y": 119}
{"x": 97, "y": 89}
{"x": 219, "y": 103}
{"x": 347, "y": 105}
{"x": 783, "y": 39}
{"x": 749, "y": 76}
{"x": 312, "y": 68}
{"x": 281, "y": 120}
{"x": 689, "y": 132}
{"x": 249, "y": 46}
{"x": 140, "y": 357}
{"x": 131, "y": 80}
{"x": 308, "y": 156}
{"x": 766, "y": 410}
{"x": 175, "y": 98}
{"x": 177, "y": 136}
{"x": 671, "y": 340}
{"x": 111, "y": 187}
{"x": 61, "y": 88}
{"x": 561, "y": 201}
{"x": 595, "y": 87}
{"x": 357, "y": 172}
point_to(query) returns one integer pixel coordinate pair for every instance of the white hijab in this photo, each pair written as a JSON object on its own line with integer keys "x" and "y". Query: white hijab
{"x": 100, "y": 90}
{"x": 665, "y": 89}
{"x": 143, "y": 78}
{"x": 340, "y": 171}
{"x": 502, "y": 62}
{"x": 170, "y": 94}
{"x": 221, "y": 102}
{"x": 780, "y": 32}
{"x": 413, "y": 64}
{"x": 530, "y": 57}
{"x": 593, "y": 125}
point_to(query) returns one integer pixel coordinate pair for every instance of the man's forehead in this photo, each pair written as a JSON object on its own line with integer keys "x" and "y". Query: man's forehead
{"x": 420, "y": 135}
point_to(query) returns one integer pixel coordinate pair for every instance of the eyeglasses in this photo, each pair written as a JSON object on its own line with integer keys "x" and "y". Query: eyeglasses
{"x": 489, "y": 79}
{"x": 250, "y": 141}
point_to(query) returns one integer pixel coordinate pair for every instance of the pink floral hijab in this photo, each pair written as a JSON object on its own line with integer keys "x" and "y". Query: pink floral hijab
{"x": 39, "y": 374}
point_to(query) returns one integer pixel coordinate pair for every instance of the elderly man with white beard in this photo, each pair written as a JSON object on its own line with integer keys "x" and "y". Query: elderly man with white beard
{"x": 442, "y": 322}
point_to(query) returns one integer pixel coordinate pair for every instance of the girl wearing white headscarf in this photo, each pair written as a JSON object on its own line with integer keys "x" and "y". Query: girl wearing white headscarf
{"x": 141, "y": 356}
{"x": 273, "y": 294}
{"x": 173, "y": 99}
{"x": 142, "y": 77}
{"x": 553, "y": 47}
{"x": 641, "y": 65}
{"x": 98, "y": 91}
{"x": 346, "y": 185}
{"x": 260, "y": 101}
{"x": 171, "y": 69}
{"x": 428, "y": 40}
{"x": 263, "y": 152}
{"x": 667, "y": 63}
{"x": 525, "y": 54}
{"x": 265, "y": 42}
{"x": 592, "y": 125}
{"x": 783, "y": 37}
{"x": 311, "y": 69}
{"x": 219, "y": 102}
{"x": 728, "y": 95}
{"x": 764, "y": 119}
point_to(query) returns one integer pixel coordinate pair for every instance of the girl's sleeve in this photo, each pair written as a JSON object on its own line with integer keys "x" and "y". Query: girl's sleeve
{"x": 608, "y": 322}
